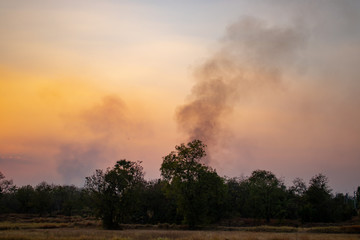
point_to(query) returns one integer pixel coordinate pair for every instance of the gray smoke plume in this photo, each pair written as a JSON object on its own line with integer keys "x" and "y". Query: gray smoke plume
{"x": 251, "y": 56}
{"x": 108, "y": 124}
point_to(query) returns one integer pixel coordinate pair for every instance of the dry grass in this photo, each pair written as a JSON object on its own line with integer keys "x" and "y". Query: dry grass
{"x": 98, "y": 234}
{"x": 15, "y": 227}
{"x": 336, "y": 229}
{"x": 17, "y": 221}
{"x": 34, "y": 225}
{"x": 283, "y": 229}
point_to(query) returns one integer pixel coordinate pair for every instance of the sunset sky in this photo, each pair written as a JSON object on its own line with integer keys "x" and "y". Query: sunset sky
{"x": 271, "y": 85}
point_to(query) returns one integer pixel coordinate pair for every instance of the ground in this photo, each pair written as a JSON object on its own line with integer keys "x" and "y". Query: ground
{"x": 31, "y": 227}
{"x": 136, "y": 234}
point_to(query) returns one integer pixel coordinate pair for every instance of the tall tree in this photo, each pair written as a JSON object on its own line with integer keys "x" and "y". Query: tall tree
{"x": 266, "y": 195}
{"x": 198, "y": 189}
{"x": 43, "y": 198}
{"x": 357, "y": 200}
{"x": 7, "y": 188}
{"x": 157, "y": 206}
{"x": 67, "y": 200}
{"x": 296, "y": 199}
{"x": 25, "y": 197}
{"x": 237, "y": 198}
{"x": 318, "y": 198}
{"x": 5, "y": 185}
{"x": 114, "y": 192}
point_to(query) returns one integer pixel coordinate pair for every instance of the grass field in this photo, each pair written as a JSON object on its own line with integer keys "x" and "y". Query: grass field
{"x": 136, "y": 234}
{"x": 27, "y": 227}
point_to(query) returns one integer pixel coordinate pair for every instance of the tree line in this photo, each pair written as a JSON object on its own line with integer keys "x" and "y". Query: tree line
{"x": 188, "y": 192}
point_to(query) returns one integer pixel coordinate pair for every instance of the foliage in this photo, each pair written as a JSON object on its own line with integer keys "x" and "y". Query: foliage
{"x": 318, "y": 200}
{"x": 115, "y": 192}
{"x": 157, "y": 207}
{"x": 184, "y": 164}
{"x": 25, "y": 197}
{"x": 198, "y": 189}
{"x": 6, "y": 186}
{"x": 266, "y": 195}
{"x": 189, "y": 192}
{"x": 357, "y": 199}
{"x": 295, "y": 199}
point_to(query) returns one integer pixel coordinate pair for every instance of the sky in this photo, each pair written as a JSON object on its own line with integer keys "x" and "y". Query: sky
{"x": 271, "y": 85}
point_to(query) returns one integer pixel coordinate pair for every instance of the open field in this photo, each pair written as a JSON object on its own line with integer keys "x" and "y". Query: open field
{"x": 139, "y": 234}
{"x": 31, "y": 227}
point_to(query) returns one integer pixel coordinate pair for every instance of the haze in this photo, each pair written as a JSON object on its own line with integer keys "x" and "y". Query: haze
{"x": 268, "y": 85}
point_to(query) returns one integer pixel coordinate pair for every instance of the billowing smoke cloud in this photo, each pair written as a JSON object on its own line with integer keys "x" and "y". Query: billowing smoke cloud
{"x": 250, "y": 58}
{"x": 102, "y": 126}
{"x": 107, "y": 119}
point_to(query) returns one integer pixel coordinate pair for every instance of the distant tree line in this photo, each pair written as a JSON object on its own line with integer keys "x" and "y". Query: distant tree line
{"x": 188, "y": 192}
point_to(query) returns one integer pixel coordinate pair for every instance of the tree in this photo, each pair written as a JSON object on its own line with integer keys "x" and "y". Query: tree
{"x": 357, "y": 200}
{"x": 198, "y": 189}
{"x": 298, "y": 188}
{"x": 184, "y": 164}
{"x": 6, "y": 186}
{"x": 213, "y": 191}
{"x": 342, "y": 207}
{"x": 157, "y": 207}
{"x": 114, "y": 192}
{"x": 43, "y": 198}
{"x": 7, "y": 189}
{"x": 25, "y": 197}
{"x": 266, "y": 195}
{"x": 318, "y": 200}
{"x": 296, "y": 199}
{"x": 237, "y": 198}
{"x": 67, "y": 200}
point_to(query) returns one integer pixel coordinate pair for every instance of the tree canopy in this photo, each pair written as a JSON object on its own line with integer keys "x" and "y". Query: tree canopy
{"x": 189, "y": 192}
{"x": 114, "y": 192}
{"x": 198, "y": 189}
